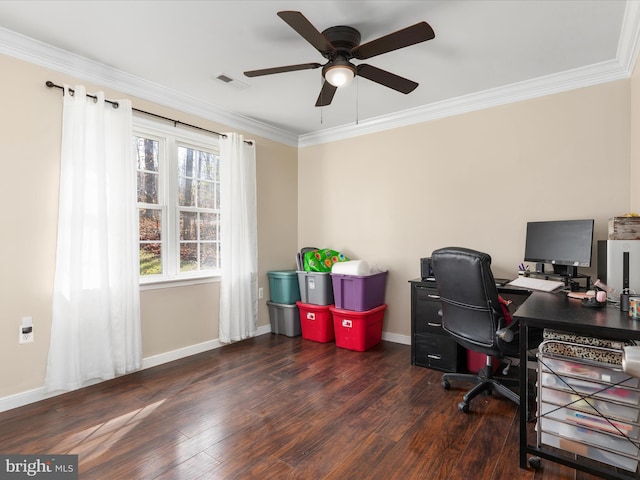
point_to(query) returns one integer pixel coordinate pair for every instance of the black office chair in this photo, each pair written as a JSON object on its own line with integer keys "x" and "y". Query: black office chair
{"x": 472, "y": 314}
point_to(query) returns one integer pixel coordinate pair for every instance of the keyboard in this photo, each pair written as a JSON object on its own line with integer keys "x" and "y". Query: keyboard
{"x": 537, "y": 284}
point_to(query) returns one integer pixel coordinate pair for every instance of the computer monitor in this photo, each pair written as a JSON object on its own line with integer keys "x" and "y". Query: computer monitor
{"x": 566, "y": 244}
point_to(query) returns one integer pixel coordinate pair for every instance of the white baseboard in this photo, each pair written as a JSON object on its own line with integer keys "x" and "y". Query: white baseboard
{"x": 191, "y": 350}
{"x": 396, "y": 338}
{"x": 31, "y": 396}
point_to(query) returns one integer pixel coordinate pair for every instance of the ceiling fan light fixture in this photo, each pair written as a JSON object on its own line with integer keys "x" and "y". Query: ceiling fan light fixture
{"x": 339, "y": 74}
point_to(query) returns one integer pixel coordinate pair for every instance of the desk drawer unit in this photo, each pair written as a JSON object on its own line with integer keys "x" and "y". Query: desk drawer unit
{"x": 431, "y": 346}
{"x": 438, "y": 352}
{"x": 588, "y": 408}
{"x": 427, "y": 306}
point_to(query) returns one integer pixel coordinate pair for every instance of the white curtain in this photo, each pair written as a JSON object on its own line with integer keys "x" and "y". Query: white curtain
{"x": 95, "y": 331}
{"x": 238, "y": 226}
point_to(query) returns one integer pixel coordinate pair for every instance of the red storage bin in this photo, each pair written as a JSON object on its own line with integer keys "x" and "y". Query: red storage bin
{"x": 316, "y": 322}
{"x": 358, "y": 330}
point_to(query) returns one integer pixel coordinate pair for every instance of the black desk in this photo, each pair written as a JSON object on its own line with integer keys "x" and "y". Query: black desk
{"x": 557, "y": 311}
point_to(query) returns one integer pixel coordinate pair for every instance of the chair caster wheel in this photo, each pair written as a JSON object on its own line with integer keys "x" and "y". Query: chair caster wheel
{"x": 463, "y": 407}
{"x": 446, "y": 385}
{"x": 535, "y": 463}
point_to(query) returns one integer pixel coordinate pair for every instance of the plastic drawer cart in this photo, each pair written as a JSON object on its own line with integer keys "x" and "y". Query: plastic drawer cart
{"x": 586, "y": 404}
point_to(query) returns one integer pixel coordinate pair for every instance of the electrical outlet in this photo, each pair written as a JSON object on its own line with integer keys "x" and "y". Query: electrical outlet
{"x": 25, "y": 334}
{"x": 260, "y": 292}
{"x": 25, "y": 337}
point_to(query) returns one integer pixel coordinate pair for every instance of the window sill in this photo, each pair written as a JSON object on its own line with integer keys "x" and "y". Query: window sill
{"x": 175, "y": 282}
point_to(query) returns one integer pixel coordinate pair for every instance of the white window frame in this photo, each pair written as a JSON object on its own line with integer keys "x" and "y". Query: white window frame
{"x": 170, "y": 138}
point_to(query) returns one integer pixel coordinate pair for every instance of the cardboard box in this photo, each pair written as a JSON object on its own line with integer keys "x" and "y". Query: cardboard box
{"x": 624, "y": 228}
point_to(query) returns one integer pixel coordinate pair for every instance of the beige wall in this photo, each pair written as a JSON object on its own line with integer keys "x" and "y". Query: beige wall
{"x": 470, "y": 180}
{"x": 390, "y": 198}
{"x": 635, "y": 140}
{"x": 172, "y": 318}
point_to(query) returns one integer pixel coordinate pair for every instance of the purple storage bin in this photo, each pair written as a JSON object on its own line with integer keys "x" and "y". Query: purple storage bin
{"x": 358, "y": 293}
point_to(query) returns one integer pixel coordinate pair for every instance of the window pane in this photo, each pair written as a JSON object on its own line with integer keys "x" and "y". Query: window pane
{"x": 147, "y": 164}
{"x": 147, "y": 187}
{"x": 208, "y": 166}
{"x": 146, "y": 154}
{"x": 188, "y": 257}
{"x": 186, "y": 192}
{"x": 192, "y": 198}
{"x": 206, "y": 195}
{"x": 150, "y": 259}
{"x": 186, "y": 162}
{"x": 150, "y": 224}
{"x": 209, "y": 256}
{"x": 208, "y": 226}
{"x": 188, "y": 226}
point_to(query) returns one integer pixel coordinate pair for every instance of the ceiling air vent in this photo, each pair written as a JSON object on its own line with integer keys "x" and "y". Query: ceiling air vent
{"x": 229, "y": 80}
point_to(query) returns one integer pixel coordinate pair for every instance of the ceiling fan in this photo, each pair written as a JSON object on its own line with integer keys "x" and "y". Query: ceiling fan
{"x": 341, "y": 44}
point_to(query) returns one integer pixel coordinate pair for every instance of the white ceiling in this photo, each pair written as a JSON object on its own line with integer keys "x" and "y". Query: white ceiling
{"x": 485, "y": 52}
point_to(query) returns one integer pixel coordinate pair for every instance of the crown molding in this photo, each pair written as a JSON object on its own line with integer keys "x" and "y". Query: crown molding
{"x": 39, "y": 53}
{"x": 33, "y": 51}
{"x": 621, "y": 68}
{"x": 629, "y": 42}
{"x": 581, "y": 77}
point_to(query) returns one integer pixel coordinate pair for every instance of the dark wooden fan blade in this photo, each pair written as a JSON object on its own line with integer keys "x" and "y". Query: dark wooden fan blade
{"x": 387, "y": 79}
{"x": 420, "y": 32}
{"x": 326, "y": 94}
{"x": 306, "y": 30}
{"x": 289, "y": 68}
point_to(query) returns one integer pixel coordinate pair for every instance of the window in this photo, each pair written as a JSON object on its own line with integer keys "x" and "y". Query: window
{"x": 178, "y": 175}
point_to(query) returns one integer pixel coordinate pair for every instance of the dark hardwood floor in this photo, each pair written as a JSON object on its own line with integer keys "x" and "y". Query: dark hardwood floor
{"x": 275, "y": 407}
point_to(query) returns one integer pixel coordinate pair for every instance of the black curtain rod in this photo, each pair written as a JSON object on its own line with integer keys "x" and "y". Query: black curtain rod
{"x": 50, "y": 84}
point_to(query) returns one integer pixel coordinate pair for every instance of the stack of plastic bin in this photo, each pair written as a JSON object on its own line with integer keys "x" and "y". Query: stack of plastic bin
{"x": 316, "y": 294}
{"x": 359, "y": 310}
{"x": 283, "y": 311}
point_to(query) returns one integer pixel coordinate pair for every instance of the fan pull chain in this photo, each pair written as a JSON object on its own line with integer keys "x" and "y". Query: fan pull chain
{"x": 357, "y": 100}
{"x": 321, "y": 108}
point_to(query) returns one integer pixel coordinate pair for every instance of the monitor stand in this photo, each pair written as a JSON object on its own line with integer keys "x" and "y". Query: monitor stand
{"x": 568, "y": 275}
{"x": 565, "y": 270}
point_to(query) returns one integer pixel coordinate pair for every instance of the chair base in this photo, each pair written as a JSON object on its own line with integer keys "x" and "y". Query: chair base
{"x": 484, "y": 382}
